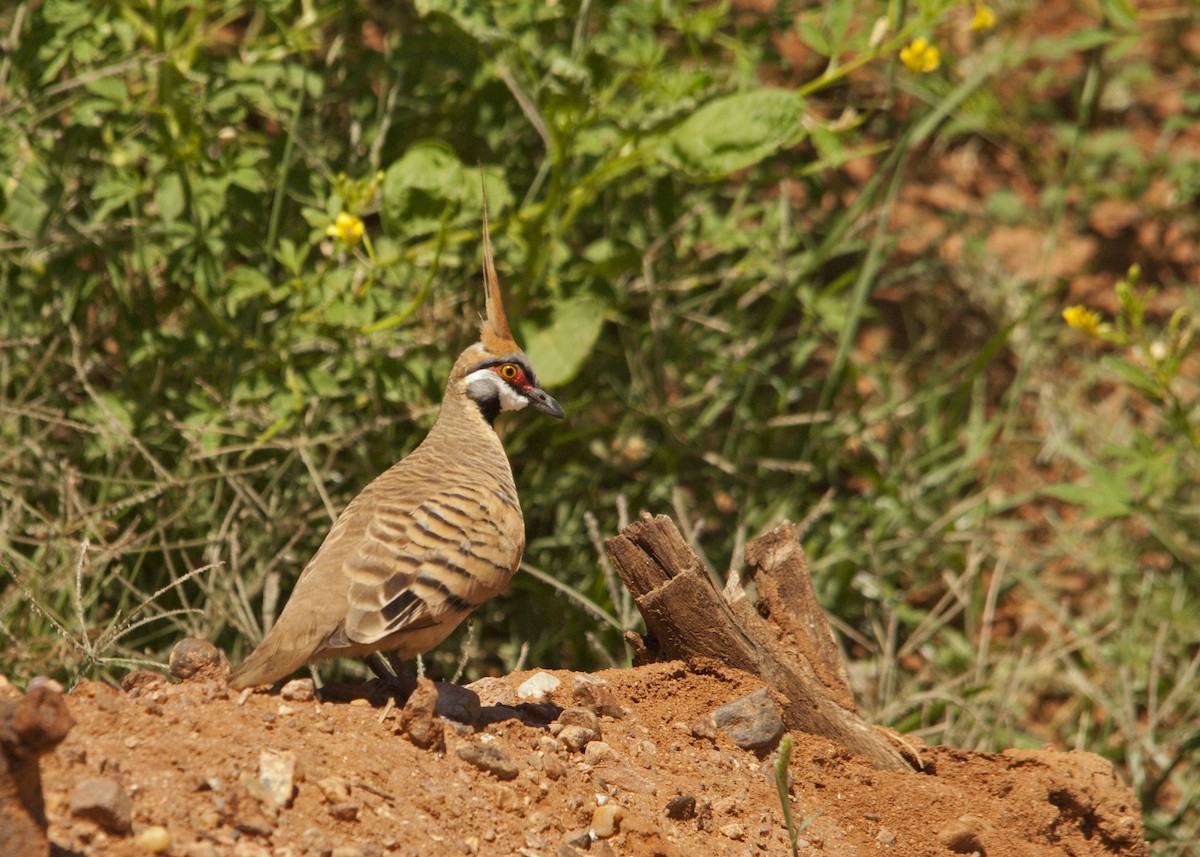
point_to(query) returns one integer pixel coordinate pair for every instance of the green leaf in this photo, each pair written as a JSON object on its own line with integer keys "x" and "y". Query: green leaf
{"x": 1135, "y": 376}
{"x": 1120, "y": 12}
{"x": 558, "y": 351}
{"x": 467, "y": 17}
{"x": 245, "y": 283}
{"x": 169, "y": 197}
{"x": 430, "y": 183}
{"x": 812, "y": 36}
{"x": 736, "y": 132}
{"x": 1105, "y": 497}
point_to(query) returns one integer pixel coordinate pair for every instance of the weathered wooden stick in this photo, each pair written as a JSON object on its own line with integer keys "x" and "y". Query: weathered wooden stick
{"x": 793, "y": 650}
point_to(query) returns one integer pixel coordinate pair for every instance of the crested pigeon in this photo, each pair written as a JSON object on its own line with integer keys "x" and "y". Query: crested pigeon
{"x": 428, "y": 540}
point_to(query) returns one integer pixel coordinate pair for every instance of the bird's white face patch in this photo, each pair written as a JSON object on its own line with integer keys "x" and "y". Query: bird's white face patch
{"x": 510, "y": 399}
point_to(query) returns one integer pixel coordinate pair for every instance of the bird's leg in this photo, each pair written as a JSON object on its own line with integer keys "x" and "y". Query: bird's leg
{"x": 394, "y": 673}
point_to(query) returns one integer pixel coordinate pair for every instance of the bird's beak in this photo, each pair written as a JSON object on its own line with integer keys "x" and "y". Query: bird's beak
{"x": 544, "y": 402}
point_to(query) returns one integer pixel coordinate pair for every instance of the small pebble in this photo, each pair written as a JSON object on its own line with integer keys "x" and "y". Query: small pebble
{"x": 313, "y": 841}
{"x": 578, "y": 716}
{"x": 733, "y": 831}
{"x": 598, "y": 752}
{"x": 536, "y": 687}
{"x": 103, "y": 801}
{"x": 594, "y": 693}
{"x": 961, "y": 839}
{"x": 276, "y": 773}
{"x": 250, "y": 849}
{"x": 753, "y": 721}
{"x": 605, "y": 819}
{"x": 298, "y": 690}
{"x": 201, "y": 849}
{"x": 154, "y": 840}
{"x": 681, "y": 807}
{"x": 488, "y": 757}
{"x": 196, "y": 658}
{"x": 335, "y": 789}
{"x": 577, "y": 737}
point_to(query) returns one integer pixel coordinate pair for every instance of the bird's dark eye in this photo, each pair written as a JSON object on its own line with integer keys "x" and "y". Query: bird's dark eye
{"x": 510, "y": 372}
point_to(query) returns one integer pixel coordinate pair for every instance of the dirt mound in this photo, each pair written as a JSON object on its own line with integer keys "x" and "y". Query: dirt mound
{"x": 269, "y": 775}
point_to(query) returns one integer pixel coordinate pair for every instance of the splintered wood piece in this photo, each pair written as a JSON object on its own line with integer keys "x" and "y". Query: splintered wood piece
{"x": 794, "y": 652}
{"x": 789, "y": 602}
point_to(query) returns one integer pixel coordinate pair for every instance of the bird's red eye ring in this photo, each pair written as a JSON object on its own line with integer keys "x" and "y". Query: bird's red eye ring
{"x": 510, "y": 372}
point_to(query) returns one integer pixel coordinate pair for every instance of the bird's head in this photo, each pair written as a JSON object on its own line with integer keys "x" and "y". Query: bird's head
{"x": 494, "y": 372}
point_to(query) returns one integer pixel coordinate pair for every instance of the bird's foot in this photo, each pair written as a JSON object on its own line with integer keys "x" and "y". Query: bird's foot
{"x": 394, "y": 673}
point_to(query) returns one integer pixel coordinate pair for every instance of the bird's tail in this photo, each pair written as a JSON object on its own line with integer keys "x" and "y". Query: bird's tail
{"x": 268, "y": 663}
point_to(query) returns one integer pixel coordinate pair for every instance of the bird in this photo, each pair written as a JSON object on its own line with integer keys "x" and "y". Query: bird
{"x": 428, "y": 540}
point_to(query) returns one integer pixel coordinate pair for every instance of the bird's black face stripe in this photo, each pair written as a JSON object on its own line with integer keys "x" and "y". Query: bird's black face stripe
{"x": 488, "y": 399}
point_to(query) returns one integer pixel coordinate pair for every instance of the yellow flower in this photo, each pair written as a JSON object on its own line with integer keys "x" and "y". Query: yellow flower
{"x": 1082, "y": 319}
{"x": 984, "y": 18}
{"x": 919, "y": 56}
{"x": 347, "y": 228}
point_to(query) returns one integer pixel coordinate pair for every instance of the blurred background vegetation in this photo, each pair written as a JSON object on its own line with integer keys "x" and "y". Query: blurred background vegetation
{"x": 775, "y": 259}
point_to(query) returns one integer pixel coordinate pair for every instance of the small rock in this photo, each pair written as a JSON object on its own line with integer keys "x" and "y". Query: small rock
{"x": 681, "y": 807}
{"x": 344, "y": 811}
{"x": 599, "y": 752}
{"x": 314, "y": 842}
{"x": 536, "y": 687}
{"x": 622, "y": 776}
{"x": 298, "y": 690}
{"x": 554, "y": 767}
{"x": 492, "y": 690}
{"x": 45, "y": 681}
{"x": 733, "y": 831}
{"x": 277, "y": 773}
{"x": 577, "y": 737}
{"x": 580, "y": 838}
{"x": 140, "y": 681}
{"x": 154, "y": 840}
{"x": 250, "y": 849}
{"x": 534, "y": 840}
{"x": 885, "y": 836}
{"x": 961, "y": 838}
{"x": 605, "y": 819}
{"x": 103, "y": 801}
{"x": 578, "y": 716}
{"x": 457, "y": 703}
{"x": 193, "y": 658}
{"x": 753, "y": 722}
{"x": 705, "y": 728}
{"x": 488, "y": 757}
{"x": 201, "y": 849}
{"x": 335, "y": 789}
{"x": 595, "y": 694}
{"x": 419, "y": 721}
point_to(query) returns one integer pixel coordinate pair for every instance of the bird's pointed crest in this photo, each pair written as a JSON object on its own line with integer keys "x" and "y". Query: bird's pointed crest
{"x": 493, "y": 332}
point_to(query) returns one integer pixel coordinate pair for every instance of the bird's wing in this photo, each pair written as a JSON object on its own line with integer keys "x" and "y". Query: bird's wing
{"x": 418, "y": 567}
